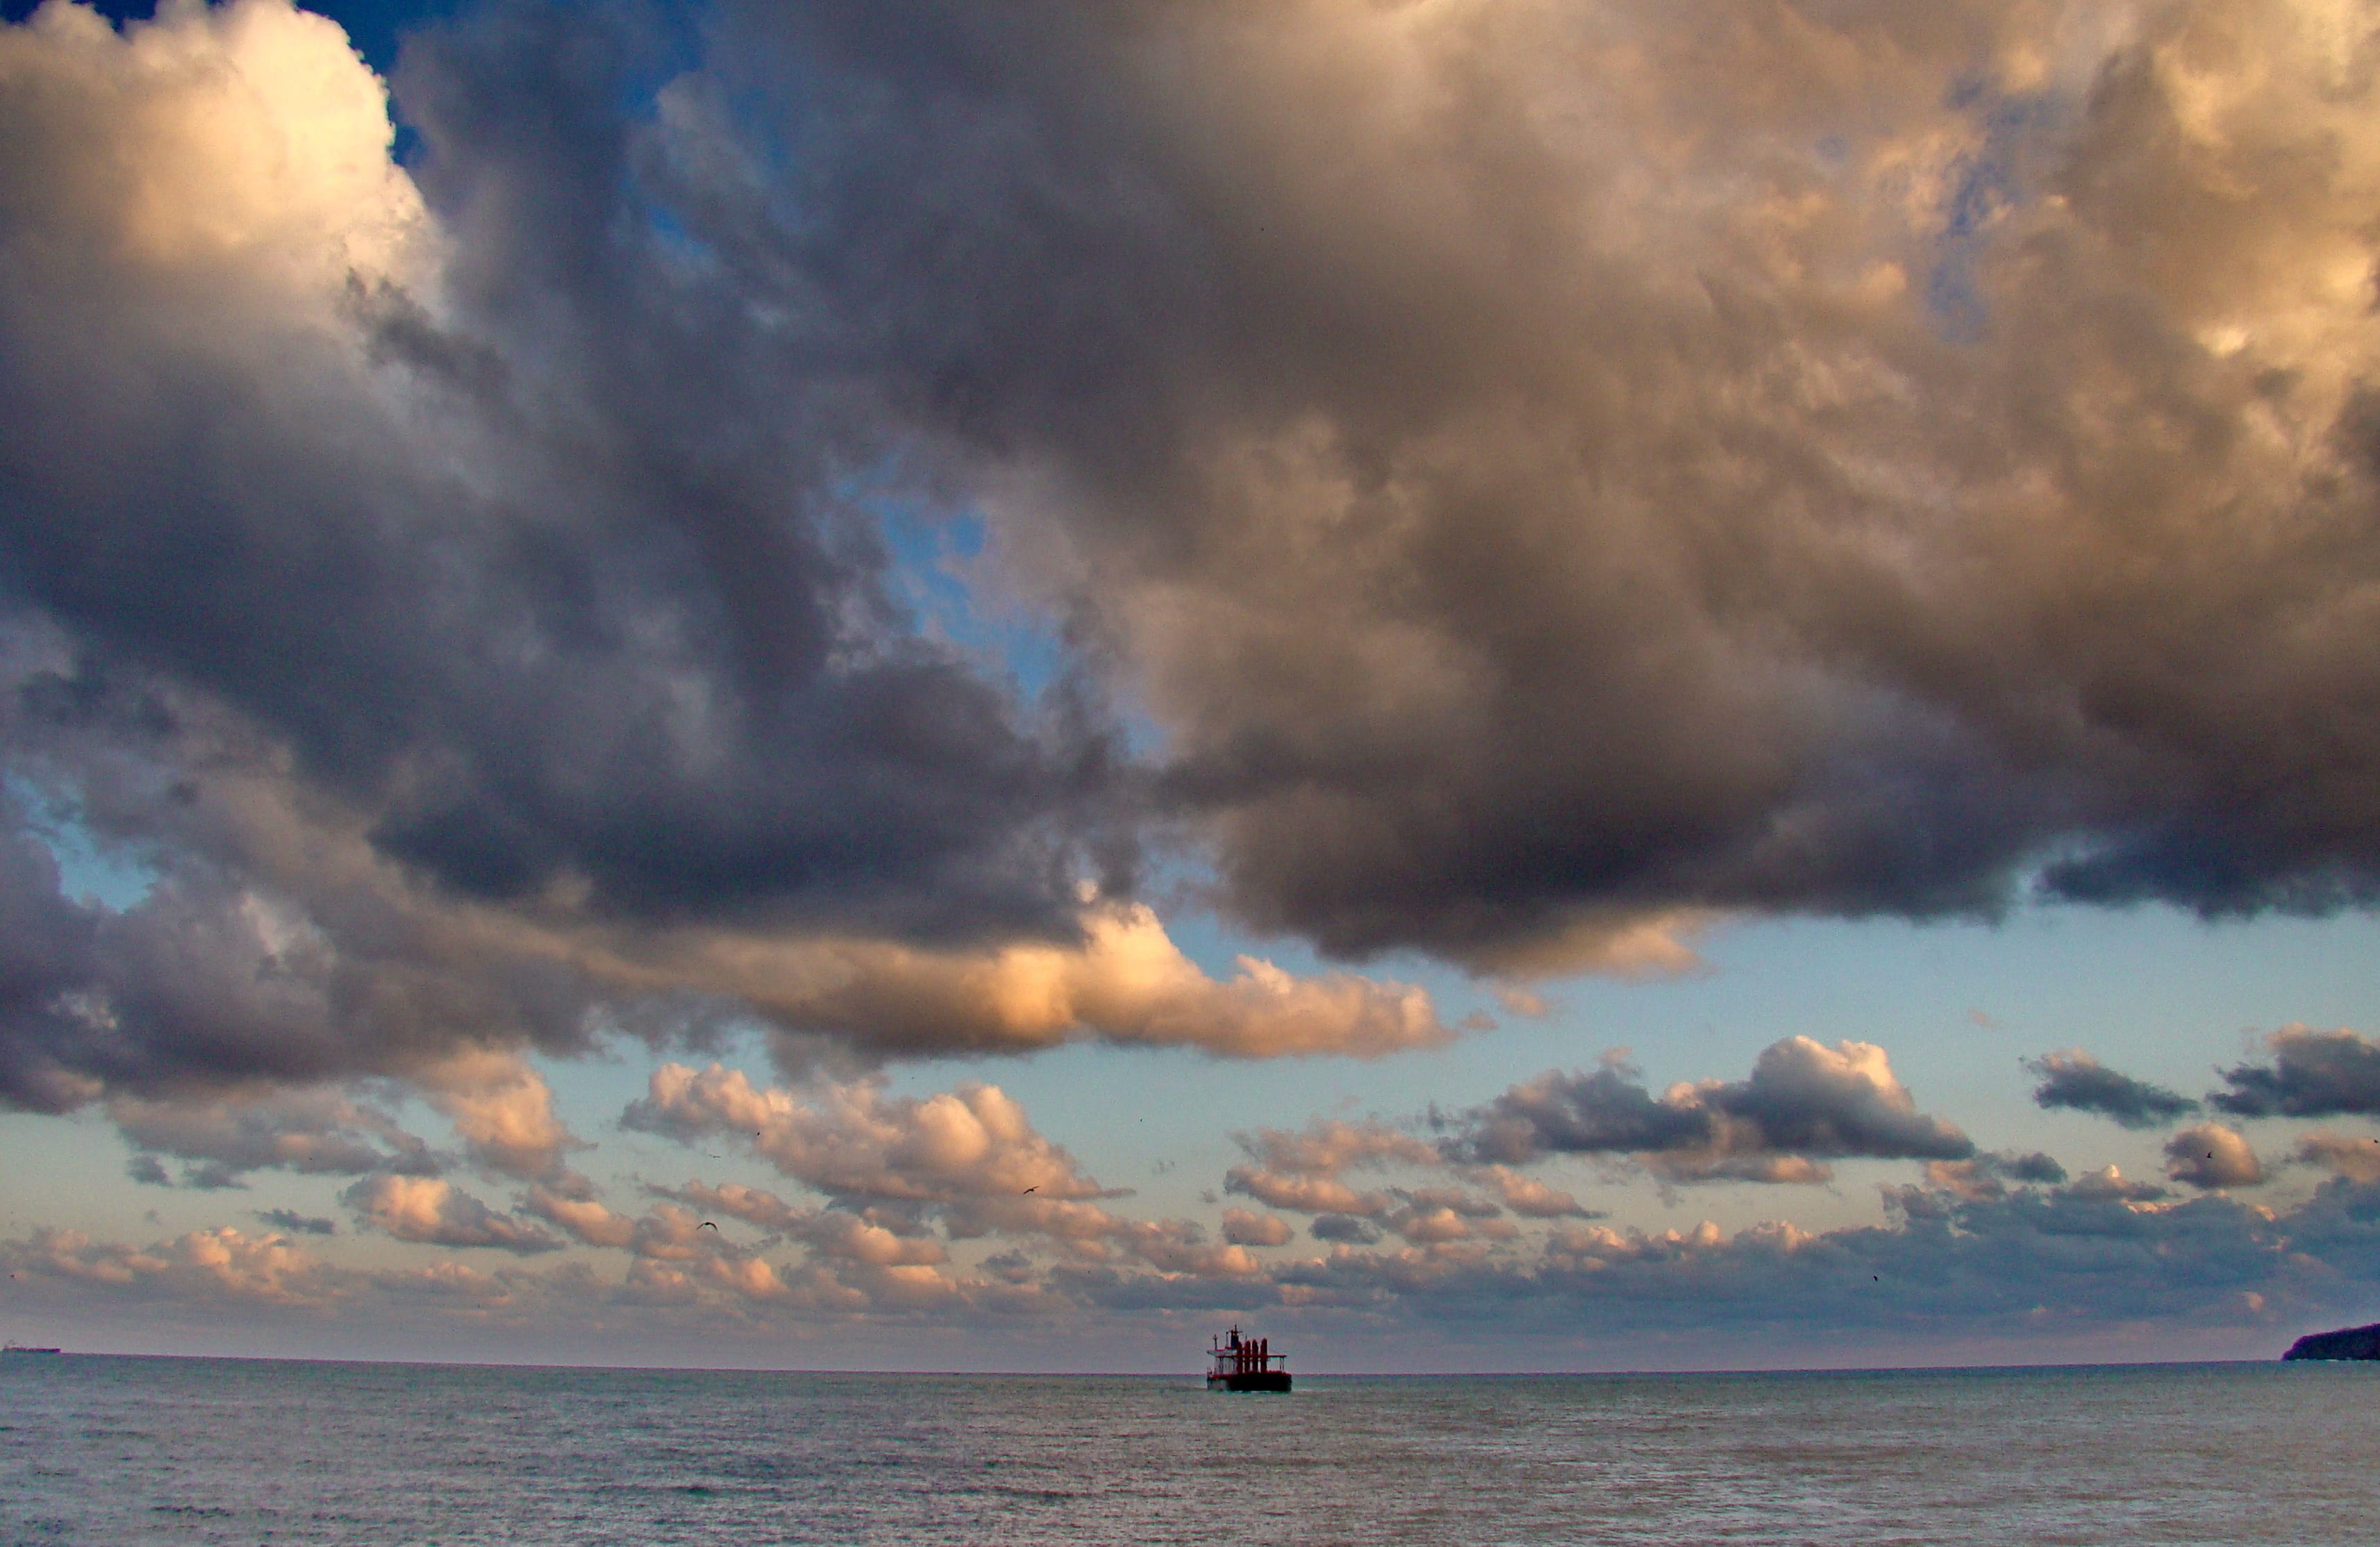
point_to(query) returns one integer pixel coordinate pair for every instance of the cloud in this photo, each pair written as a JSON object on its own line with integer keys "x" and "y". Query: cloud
{"x": 2031, "y": 1264}
{"x": 1328, "y": 1147}
{"x": 2108, "y": 1184}
{"x": 585, "y": 1219}
{"x": 2313, "y": 1074}
{"x": 1306, "y": 1195}
{"x": 504, "y": 1111}
{"x": 1344, "y": 1229}
{"x": 433, "y": 1212}
{"x": 1299, "y": 1170}
{"x": 2210, "y": 1155}
{"x": 1527, "y": 1195}
{"x": 218, "y": 1264}
{"x": 1628, "y": 473}
{"x": 706, "y": 601}
{"x": 1243, "y": 1228}
{"x": 866, "y": 1237}
{"x": 755, "y": 1206}
{"x": 1124, "y": 980}
{"x": 311, "y": 1131}
{"x": 2357, "y": 1159}
{"x": 1987, "y": 1175}
{"x": 295, "y": 1223}
{"x": 497, "y": 650}
{"x": 2076, "y": 1081}
{"x": 2031, "y": 1167}
{"x": 1804, "y": 1102}
{"x": 853, "y": 1141}
{"x": 1408, "y": 532}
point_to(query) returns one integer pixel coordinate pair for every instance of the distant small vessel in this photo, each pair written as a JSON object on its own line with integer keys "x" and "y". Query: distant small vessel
{"x": 22, "y": 1348}
{"x": 1237, "y": 1363}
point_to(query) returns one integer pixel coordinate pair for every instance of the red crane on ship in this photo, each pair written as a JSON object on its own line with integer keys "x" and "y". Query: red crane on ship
{"x": 1236, "y": 1363}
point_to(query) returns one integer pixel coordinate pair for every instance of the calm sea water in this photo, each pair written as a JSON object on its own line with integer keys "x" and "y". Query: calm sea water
{"x": 120, "y": 1451}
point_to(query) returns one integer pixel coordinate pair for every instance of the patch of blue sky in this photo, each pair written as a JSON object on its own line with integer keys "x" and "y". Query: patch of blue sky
{"x": 938, "y": 559}
{"x": 692, "y": 255}
{"x": 88, "y": 870}
{"x": 1990, "y": 183}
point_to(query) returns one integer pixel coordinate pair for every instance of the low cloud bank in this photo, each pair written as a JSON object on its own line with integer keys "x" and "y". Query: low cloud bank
{"x": 1804, "y": 1103}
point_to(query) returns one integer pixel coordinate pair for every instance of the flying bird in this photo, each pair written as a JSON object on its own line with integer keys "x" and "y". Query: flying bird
{"x": 706, "y": 1225}
{"x": 1035, "y": 1187}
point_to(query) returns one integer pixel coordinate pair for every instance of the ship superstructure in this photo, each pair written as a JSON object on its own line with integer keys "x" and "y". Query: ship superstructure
{"x": 1236, "y": 1363}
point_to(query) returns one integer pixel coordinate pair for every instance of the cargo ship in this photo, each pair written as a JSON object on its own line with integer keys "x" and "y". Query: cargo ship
{"x": 1236, "y": 1363}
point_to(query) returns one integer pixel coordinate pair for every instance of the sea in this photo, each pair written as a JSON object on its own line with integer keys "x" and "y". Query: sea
{"x": 117, "y": 1451}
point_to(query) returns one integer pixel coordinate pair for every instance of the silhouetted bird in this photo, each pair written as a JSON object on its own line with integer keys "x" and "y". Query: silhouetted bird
{"x": 1034, "y": 1188}
{"x": 706, "y": 1225}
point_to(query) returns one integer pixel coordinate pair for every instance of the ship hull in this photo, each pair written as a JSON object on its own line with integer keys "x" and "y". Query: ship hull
{"x": 1254, "y": 1380}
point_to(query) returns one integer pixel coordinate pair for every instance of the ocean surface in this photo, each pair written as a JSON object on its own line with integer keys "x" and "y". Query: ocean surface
{"x": 118, "y": 1450}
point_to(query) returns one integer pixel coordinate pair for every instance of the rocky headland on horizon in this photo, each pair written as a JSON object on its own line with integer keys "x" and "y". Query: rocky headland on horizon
{"x": 2347, "y": 1343}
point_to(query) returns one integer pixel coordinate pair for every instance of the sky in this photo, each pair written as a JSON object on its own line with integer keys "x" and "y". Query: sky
{"x": 1485, "y": 684}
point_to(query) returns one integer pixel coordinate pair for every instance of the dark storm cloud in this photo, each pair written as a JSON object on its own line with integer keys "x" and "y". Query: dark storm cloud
{"x": 2079, "y": 1082}
{"x": 642, "y": 642}
{"x": 559, "y": 587}
{"x": 1524, "y": 460}
{"x": 2312, "y": 1073}
{"x": 1804, "y": 1101}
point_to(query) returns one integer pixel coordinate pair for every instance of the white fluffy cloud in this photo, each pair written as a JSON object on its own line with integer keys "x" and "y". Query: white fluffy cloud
{"x": 2210, "y": 1155}
{"x": 433, "y": 1212}
{"x": 504, "y": 1111}
{"x": 854, "y": 1140}
{"x": 1124, "y": 980}
{"x": 244, "y": 143}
